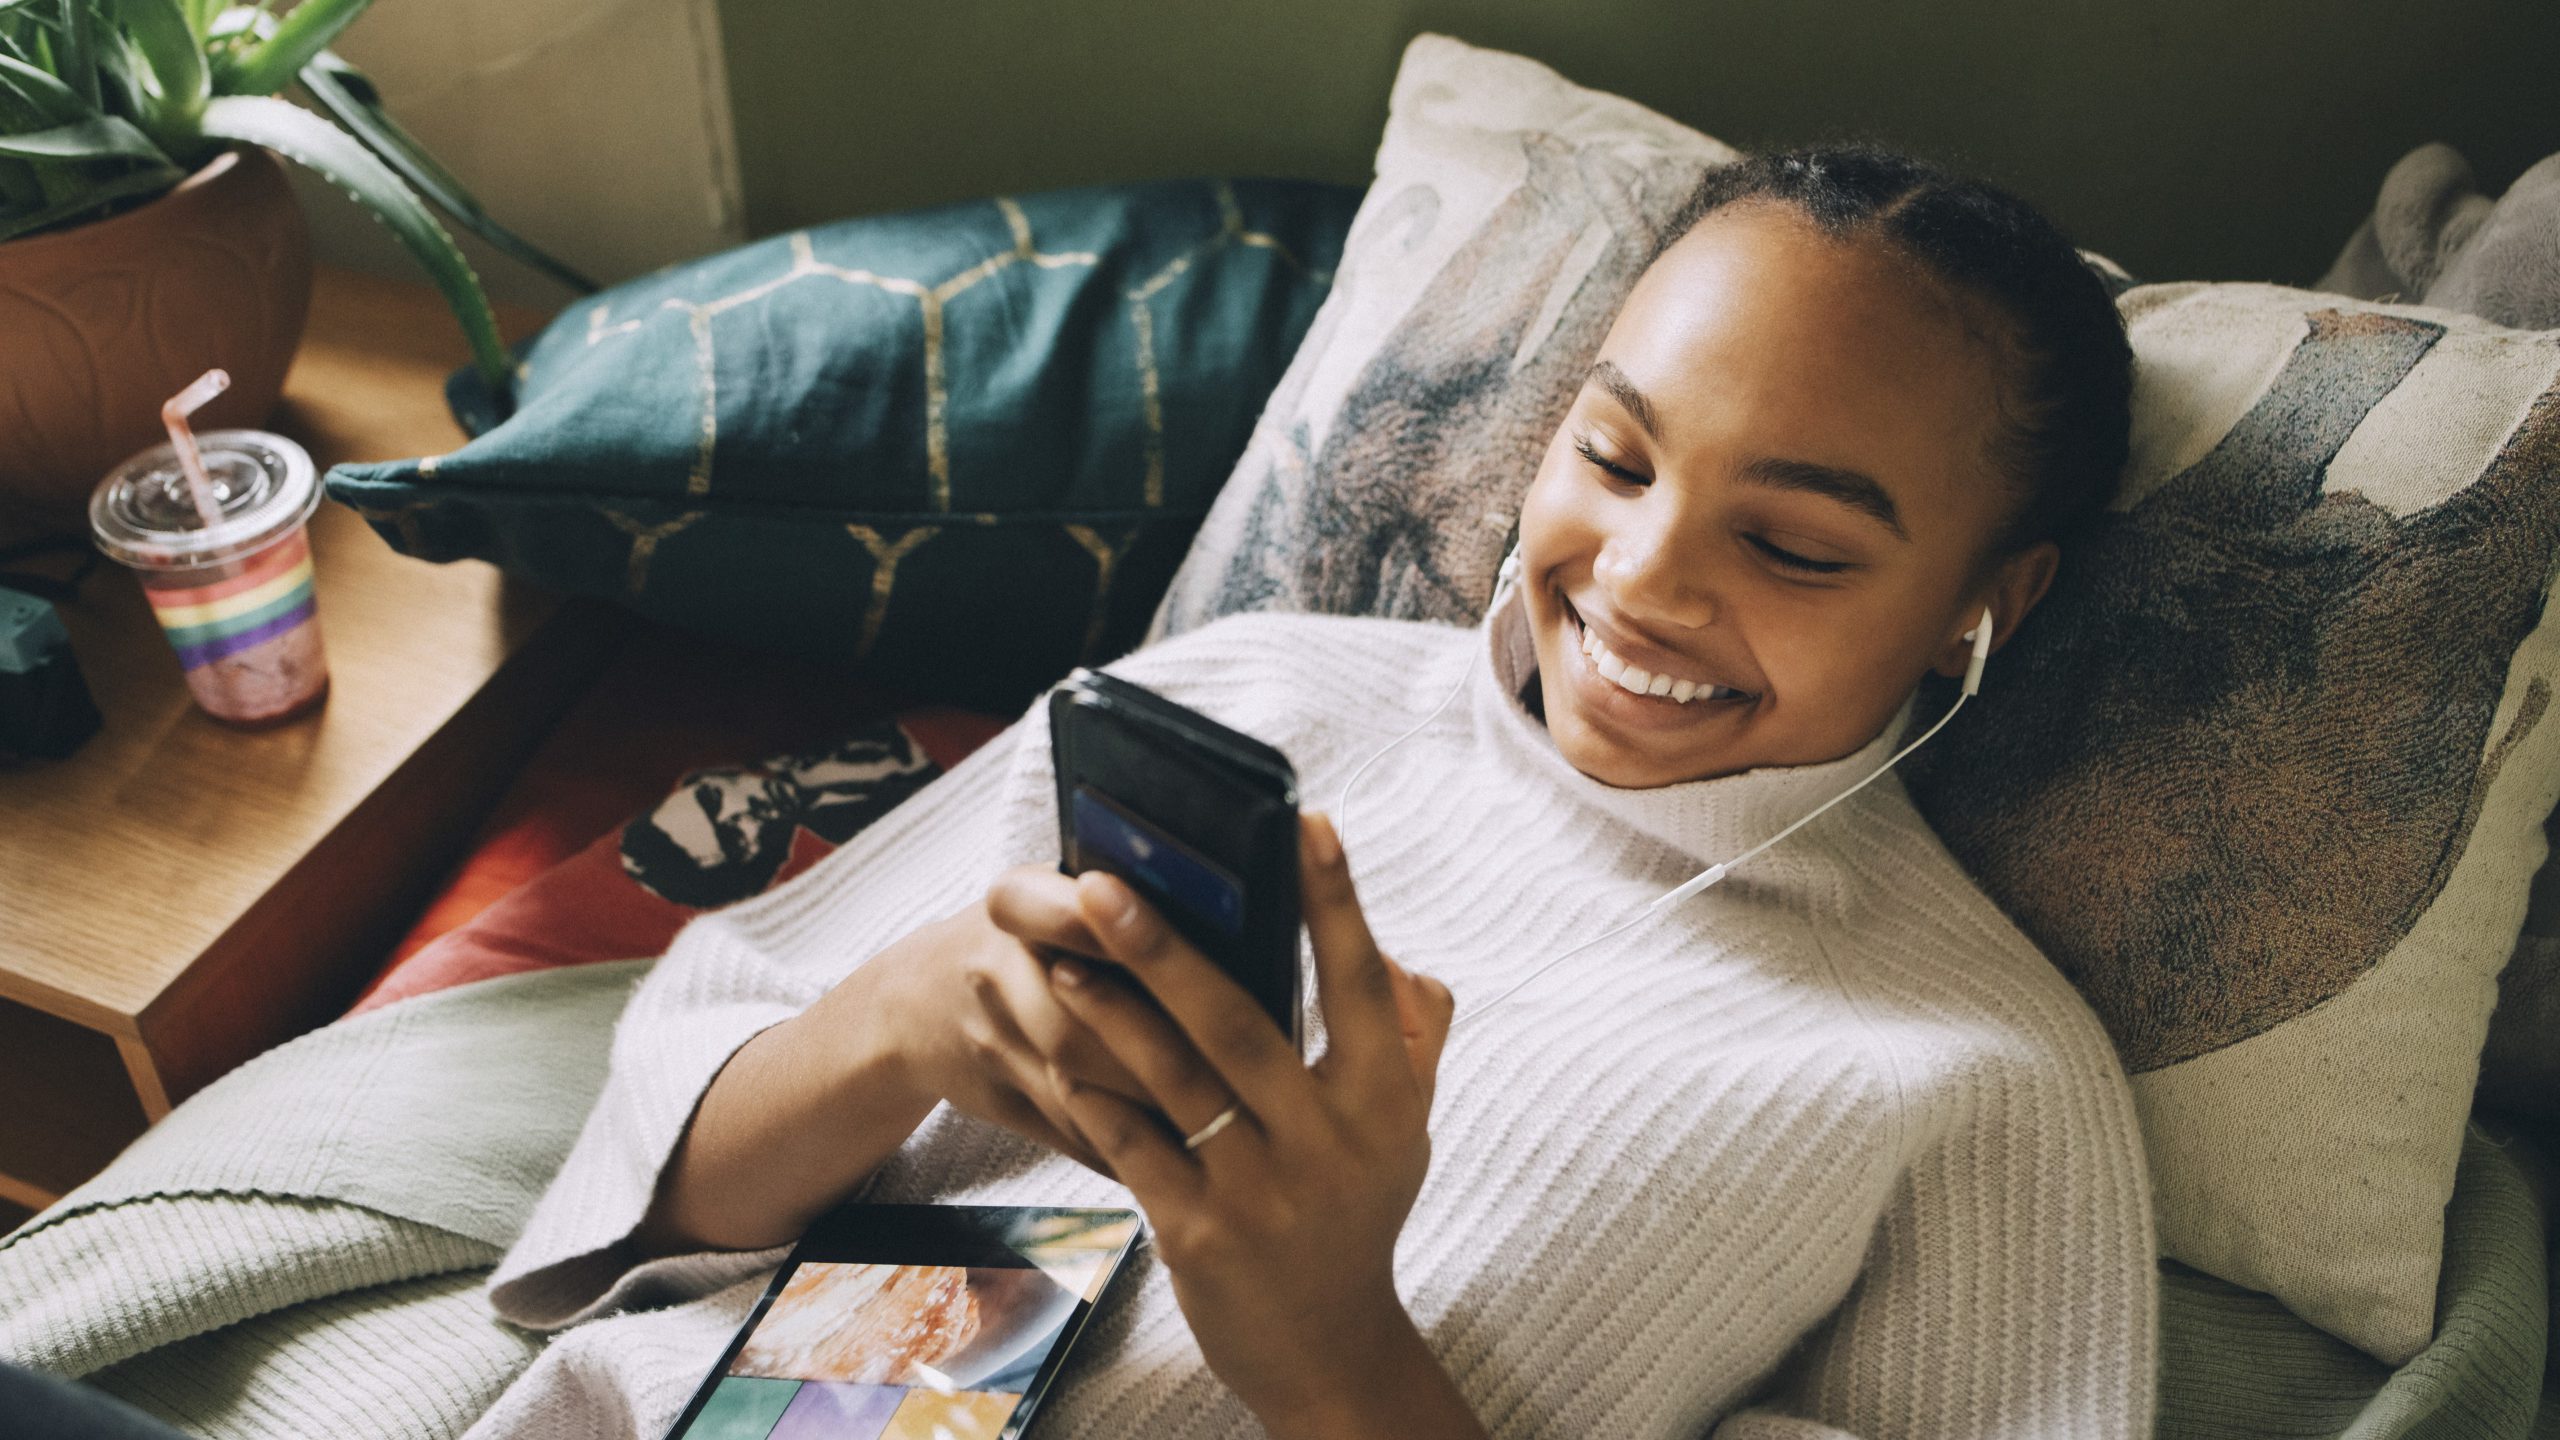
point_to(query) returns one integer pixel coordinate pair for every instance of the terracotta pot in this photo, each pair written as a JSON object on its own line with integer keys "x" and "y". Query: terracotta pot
{"x": 102, "y": 322}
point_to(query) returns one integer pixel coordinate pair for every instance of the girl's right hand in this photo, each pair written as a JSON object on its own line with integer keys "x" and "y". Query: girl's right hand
{"x": 966, "y": 1012}
{"x": 959, "y": 1010}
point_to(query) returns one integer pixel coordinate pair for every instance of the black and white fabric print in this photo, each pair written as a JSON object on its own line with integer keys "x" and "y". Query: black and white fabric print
{"x": 724, "y": 834}
{"x": 2245, "y": 738}
{"x": 1447, "y": 421}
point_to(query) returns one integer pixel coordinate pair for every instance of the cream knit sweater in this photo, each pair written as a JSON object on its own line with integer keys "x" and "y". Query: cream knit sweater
{"x": 1828, "y": 1150}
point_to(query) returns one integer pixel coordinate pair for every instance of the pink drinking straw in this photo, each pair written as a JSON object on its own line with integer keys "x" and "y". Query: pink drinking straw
{"x": 174, "y": 415}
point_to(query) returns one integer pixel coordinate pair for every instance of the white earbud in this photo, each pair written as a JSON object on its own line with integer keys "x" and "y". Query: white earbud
{"x": 1980, "y": 635}
{"x": 1505, "y": 578}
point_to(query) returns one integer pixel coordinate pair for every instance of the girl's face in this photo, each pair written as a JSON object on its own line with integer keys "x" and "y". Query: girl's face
{"x": 1772, "y": 490}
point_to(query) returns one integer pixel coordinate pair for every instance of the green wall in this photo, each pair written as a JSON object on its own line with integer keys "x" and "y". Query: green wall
{"x": 2218, "y": 139}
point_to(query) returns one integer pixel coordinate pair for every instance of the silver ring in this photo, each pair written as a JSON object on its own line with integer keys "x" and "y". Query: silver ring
{"x": 1199, "y": 1137}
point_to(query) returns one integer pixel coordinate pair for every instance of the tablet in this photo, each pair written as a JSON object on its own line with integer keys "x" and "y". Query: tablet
{"x": 912, "y": 1322}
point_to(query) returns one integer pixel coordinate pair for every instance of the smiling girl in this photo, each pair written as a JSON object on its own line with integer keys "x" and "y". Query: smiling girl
{"x": 1828, "y": 1149}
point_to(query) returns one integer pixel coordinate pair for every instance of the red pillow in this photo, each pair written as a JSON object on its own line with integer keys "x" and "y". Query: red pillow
{"x": 565, "y": 873}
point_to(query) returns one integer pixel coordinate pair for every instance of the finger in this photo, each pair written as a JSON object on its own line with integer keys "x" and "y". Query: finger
{"x": 1352, "y": 983}
{"x": 1038, "y": 906}
{"x": 1006, "y": 1105}
{"x": 1177, "y": 1080}
{"x": 1027, "y": 1106}
{"x": 1428, "y": 1008}
{"x": 1027, "y": 1030}
{"x": 1230, "y": 1031}
{"x": 1017, "y": 995}
{"x": 1147, "y": 1157}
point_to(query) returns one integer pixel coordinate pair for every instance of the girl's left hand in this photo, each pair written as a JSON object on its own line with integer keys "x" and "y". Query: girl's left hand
{"x": 1279, "y": 1227}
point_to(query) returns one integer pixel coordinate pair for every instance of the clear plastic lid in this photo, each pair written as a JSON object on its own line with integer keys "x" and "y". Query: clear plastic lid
{"x": 263, "y": 484}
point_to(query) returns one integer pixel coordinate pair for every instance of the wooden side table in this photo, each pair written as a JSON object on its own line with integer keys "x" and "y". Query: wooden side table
{"x": 180, "y": 895}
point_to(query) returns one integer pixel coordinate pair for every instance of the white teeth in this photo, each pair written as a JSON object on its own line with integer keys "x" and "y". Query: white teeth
{"x": 1637, "y": 679}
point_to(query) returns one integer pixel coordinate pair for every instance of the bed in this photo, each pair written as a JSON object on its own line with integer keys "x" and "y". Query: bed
{"x": 254, "y": 1251}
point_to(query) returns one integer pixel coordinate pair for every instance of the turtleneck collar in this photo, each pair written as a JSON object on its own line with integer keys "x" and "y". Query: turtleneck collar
{"x": 1709, "y": 820}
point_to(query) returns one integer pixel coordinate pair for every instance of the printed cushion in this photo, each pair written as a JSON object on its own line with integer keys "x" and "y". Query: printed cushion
{"x": 960, "y": 449}
{"x": 720, "y": 836}
{"x": 2265, "y": 775}
{"x": 636, "y": 814}
{"x": 2432, "y": 234}
{"x": 2269, "y": 777}
{"x": 1510, "y": 211}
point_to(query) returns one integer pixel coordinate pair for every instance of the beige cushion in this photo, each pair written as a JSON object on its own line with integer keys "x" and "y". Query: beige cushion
{"x": 1510, "y": 212}
{"x": 2270, "y": 777}
{"x": 2271, "y": 793}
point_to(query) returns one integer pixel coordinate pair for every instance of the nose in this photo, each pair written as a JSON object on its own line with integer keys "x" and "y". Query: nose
{"x": 1653, "y": 577}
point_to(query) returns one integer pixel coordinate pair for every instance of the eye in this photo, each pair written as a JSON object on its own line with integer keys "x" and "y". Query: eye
{"x": 1794, "y": 561}
{"x": 1582, "y": 446}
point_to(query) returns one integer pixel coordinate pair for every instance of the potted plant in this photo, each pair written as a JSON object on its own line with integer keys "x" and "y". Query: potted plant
{"x": 146, "y": 235}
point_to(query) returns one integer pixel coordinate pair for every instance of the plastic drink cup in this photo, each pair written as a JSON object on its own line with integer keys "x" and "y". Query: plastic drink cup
{"x": 226, "y": 566}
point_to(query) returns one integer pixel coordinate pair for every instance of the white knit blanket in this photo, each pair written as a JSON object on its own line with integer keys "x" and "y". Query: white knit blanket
{"x": 301, "y": 1249}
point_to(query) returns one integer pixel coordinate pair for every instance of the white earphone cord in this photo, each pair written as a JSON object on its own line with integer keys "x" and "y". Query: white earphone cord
{"x": 1707, "y": 877}
{"x": 1980, "y": 635}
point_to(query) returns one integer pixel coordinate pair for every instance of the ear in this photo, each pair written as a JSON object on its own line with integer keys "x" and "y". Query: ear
{"x": 2012, "y": 589}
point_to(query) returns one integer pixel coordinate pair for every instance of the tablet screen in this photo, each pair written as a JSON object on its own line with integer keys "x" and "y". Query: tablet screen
{"x": 912, "y": 1322}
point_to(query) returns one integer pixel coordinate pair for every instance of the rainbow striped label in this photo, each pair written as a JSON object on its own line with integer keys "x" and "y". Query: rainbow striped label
{"x": 207, "y": 622}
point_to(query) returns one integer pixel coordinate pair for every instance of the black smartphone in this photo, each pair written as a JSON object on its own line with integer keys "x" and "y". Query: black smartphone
{"x": 1199, "y": 818}
{"x": 912, "y": 1321}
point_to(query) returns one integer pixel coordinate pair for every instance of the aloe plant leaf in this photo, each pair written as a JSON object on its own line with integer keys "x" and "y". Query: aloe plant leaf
{"x": 305, "y": 138}
{"x": 91, "y": 197}
{"x": 20, "y": 187}
{"x": 79, "y": 67}
{"x": 304, "y": 32}
{"x": 120, "y": 72}
{"x": 169, "y": 46}
{"x": 58, "y": 103}
{"x": 20, "y": 21}
{"x": 351, "y": 99}
{"x": 100, "y": 137}
{"x": 232, "y": 32}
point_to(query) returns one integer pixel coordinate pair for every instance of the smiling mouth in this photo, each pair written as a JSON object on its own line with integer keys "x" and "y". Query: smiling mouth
{"x": 1636, "y": 680}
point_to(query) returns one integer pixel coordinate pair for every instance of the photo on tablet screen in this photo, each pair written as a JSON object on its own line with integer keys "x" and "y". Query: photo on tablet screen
{"x": 848, "y": 1349}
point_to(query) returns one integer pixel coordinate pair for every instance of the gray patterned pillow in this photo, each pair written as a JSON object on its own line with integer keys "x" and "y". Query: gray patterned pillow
{"x": 1511, "y": 211}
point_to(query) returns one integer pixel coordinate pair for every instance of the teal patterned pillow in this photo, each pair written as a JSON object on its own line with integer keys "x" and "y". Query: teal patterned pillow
{"x": 962, "y": 448}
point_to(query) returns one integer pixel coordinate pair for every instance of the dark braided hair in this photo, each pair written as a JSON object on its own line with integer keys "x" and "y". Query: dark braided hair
{"x": 2066, "y": 396}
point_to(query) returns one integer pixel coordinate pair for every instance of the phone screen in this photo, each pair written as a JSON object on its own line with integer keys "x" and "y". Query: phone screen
{"x": 934, "y": 1323}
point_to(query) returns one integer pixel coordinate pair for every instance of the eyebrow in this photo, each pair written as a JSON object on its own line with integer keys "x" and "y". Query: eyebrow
{"x": 1853, "y": 488}
{"x": 1624, "y": 391}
